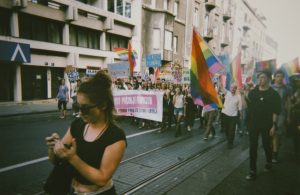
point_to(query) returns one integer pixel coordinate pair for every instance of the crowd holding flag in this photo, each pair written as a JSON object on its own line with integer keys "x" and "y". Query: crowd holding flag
{"x": 290, "y": 68}
{"x": 203, "y": 64}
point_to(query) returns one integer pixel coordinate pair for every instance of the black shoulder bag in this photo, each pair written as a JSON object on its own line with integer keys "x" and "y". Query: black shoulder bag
{"x": 59, "y": 179}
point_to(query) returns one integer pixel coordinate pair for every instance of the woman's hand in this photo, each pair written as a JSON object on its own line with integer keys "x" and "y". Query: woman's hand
{"x": 65, "y": 151}
{"x": 51, "y": 140}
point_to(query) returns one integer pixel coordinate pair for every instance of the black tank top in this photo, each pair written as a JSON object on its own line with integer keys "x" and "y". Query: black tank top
{"x": 92, "y": 152}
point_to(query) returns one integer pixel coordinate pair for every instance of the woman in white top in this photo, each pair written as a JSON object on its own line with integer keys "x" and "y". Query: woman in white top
{"x": 178, "y": 102}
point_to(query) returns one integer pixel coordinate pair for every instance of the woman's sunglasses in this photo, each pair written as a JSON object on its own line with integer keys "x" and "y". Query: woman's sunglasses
{"x": 85, "y": 108}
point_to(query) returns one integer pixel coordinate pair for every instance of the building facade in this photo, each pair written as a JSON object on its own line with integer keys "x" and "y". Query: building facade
{"x": 40, "y": 38}
{"x": 59, "y": 33}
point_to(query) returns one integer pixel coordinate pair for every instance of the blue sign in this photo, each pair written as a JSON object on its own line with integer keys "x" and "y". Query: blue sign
{"x": 118, "y": 70}
{"x": 14, "y": 52}
{"x": 153, "y": 60}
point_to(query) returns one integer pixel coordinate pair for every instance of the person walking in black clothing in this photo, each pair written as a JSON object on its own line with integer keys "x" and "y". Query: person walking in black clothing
{"x": 264, "y": 107}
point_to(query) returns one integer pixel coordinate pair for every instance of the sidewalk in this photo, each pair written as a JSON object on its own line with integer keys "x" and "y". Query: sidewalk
{"x": 28, "y": 107}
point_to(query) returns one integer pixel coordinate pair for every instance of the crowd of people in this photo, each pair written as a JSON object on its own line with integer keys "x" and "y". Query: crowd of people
{"x": 94, "y": 144}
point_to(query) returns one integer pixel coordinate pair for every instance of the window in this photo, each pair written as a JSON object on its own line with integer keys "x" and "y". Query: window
{"x": 121, "y": 7}
{"x": 156, "y": 38}
{"x": 176, "y": 5}
{"x": 168, "y": 40}
{"x": 128, "y": 9}
{"x": 40, "y": 29}
{"x": 111, "y": 5}
{"x": 206, "y": 20}
{"x": 175, "y": 43}
{"x": 84, "y": 37}
{"x": 116, "y": 41}
{"x": 4, "y": 21}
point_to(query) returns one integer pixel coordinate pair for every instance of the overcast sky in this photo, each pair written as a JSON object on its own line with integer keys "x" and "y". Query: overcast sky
{"x": 283, "y": 23}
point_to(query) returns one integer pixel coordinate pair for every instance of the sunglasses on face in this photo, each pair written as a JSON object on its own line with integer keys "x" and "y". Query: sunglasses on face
{"x": 85, "y": 108}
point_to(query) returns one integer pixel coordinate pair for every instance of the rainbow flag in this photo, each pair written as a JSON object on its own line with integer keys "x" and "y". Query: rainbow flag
{"x": 249, "y": 71}
{"x": 202, "y": 87}
{"x": 266, "y": 65}
{"x": 236, "y": 71}
{"x": 129, "y": 55}
{"x": 269, "y": 65}
{"x": 131, "y": 59}
{"x": 123, "y": 53}
{"x": 290, "y": 68}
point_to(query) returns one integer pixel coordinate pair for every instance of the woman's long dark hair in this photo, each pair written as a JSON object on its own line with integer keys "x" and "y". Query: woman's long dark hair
{"x": 98, "y": 90}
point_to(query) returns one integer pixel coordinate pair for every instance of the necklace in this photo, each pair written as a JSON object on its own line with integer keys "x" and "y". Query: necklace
{"x": 99, "y": 134}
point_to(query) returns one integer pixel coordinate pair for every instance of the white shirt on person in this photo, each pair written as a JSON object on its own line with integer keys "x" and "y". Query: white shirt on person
{"x": 179, "y": 101}
{"x": 232, "y": 104}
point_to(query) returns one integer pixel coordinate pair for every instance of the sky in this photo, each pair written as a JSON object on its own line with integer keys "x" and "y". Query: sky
{"x": 283, "y": 24}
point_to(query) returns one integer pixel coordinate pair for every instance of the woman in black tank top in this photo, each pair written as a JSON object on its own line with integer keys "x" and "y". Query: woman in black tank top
{"x": 93, "y": 145}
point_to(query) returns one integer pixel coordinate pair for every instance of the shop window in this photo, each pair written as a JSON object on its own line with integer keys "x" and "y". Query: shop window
{"x": 40, "y": 29}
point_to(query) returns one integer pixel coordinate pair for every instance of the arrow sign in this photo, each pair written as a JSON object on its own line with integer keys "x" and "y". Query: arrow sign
{"x": 14, "y": 52}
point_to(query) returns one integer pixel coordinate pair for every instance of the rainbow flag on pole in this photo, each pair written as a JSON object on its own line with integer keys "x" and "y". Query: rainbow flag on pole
{"x": 290, "y": 68}
{"x": 236, "y": 71}
{"x": 201, "y": 82}
{"x": 128, "y": 54}
{"x": 269, "y": 65}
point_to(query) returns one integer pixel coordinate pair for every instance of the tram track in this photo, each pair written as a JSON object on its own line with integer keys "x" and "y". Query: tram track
{"x": 180, "y": 162}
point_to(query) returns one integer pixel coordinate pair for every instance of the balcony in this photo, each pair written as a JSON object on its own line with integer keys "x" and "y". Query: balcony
{"x": 208, "y": 35}
{"x": 210, "y": 5}
{"x": 226, "y": 15}
{"x": 246, "y": 26}
{"x": 244, "y": 43}
{"x": 225, "y": 42}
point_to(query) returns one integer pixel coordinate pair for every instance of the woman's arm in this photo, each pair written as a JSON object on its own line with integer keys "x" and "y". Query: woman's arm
{"x": 110, "y": 161}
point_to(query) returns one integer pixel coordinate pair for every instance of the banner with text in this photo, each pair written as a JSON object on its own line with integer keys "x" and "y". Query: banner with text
{"x": 118, "y": 70}
{"x": 153, "y": 60}
{"x": 92, "y": 71}
{"x": 141, "y": 104}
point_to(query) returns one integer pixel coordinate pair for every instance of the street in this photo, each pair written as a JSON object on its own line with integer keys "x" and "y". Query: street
{"x": 154, "y": 163}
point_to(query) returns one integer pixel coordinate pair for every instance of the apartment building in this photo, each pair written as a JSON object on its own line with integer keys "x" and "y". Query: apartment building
{"x": 250, "y": 35}
{"x": 213, "y": 19}
{"x": 163, "y": 31}
{"x": 39, "y": 38}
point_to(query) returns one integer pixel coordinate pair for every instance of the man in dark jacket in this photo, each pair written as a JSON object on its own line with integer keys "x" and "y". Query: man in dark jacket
{"x": 264, "y": 107}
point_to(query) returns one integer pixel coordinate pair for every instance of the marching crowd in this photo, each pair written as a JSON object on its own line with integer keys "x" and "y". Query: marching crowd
{"x": 270, "y": 109}
{"x": 86, "y": 157}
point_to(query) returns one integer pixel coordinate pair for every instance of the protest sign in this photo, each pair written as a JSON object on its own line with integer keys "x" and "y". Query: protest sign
{"x": 141, "y": 104}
